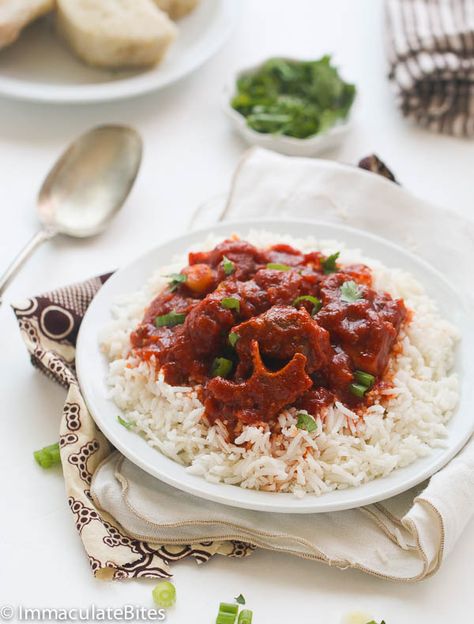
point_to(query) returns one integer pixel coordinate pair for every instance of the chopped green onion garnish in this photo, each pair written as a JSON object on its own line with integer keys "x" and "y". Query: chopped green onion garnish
{"x": 314, "y": 300}
{"x": 124, "y": 423}
{"x": 227, "y": 613}
{"x": 278, "y": 267}
{"x": 358, "y": 390}
{"x": 364, "y": 379}
{"x": 233, "y": 337}
{"x": 176, "y": 280}
{"x": 245, "y": 616}
{"x": 228, "y": 607}
{"x": 221, "y": 367}
{"x": 170, "y": 320}
{"x": 307, "y": 422}
{"x": 230, "y": 303}
{"x": 240, "y": 599}
{"x": 226, "y": 618}
{"x": 48, "y": 456}
{"x": 329, "y": 265}
{"x": 350, "y": 292}
{"x": 164, "y": 594}
{"x": 228, "y": 266}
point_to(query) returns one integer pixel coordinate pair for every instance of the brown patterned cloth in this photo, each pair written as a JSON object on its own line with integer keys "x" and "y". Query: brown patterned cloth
{"x": 431, "y": 55}
{"x": 49, "y": 325}
{"x": 375, "y": 165}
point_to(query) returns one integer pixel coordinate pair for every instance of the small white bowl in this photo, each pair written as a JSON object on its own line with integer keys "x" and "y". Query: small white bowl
{"x": 290, "y": 146}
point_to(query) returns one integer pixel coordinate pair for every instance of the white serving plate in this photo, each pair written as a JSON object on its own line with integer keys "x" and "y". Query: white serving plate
{"x": 92, "y": 368}
{"x": 39, "y": 66}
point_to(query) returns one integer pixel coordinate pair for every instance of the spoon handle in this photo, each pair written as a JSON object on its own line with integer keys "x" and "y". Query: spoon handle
{"x": 22, "y": 257}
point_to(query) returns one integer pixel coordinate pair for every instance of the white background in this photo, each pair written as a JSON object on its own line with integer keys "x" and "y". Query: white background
{"x": 190, "y": 155}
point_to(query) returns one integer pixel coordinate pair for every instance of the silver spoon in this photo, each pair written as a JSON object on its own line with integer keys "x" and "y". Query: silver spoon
{"x": 85, "y": 189}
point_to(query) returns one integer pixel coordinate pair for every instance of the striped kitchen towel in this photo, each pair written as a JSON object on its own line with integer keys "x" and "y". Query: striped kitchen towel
{"x": 431, "y": 55}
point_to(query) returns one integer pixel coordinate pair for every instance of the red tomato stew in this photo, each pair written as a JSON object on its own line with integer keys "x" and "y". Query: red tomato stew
{"x": 260, "y": 330}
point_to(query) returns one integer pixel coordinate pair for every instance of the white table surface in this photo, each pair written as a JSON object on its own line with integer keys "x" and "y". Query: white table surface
{"x": 190, "y": 155}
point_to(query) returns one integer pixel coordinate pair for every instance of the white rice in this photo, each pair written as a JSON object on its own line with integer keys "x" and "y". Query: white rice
{"x": 344, "y": 450}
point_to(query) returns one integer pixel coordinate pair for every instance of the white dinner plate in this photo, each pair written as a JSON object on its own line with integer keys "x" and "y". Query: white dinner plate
{"x": 92, "y": 369}
{"x": 39, "y": 66}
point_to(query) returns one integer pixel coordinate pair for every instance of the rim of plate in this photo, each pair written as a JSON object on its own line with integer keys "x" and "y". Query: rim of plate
{"x": 131, "y": 86}
{"x": 139, "y": 452}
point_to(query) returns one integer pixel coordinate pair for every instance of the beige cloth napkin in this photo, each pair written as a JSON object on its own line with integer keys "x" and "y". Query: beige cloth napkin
{"x": 406, "y": 537}
{"x": 431, "y": 55}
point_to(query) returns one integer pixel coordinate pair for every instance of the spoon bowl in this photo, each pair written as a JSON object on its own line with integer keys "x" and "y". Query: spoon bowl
{"x": 90, "y": 182}
{"x": 85, "y": 188}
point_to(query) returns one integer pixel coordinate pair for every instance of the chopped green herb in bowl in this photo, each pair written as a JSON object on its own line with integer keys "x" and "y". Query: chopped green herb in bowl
{"x": 292, "y": 100}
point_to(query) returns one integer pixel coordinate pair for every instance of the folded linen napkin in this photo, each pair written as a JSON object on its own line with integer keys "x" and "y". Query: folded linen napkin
{"x": 133, "y": 525}
{"x": 431, "y": 55}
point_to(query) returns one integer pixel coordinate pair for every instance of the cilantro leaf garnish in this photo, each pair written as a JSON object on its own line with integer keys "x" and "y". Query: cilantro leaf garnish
{"x": 350, "y": 292}
{"x": 293, "y": 98}
{"x": 329, "y": 264}
{"x": 176, "y": 280}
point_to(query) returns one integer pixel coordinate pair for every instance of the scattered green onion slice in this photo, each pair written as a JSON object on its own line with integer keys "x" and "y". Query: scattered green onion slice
{"x": 358, "y": 390}
{"x": 233, "y": 337}
{"x": 125, "y": 423}
{"x": 329, "y": 264}
{"x": 240, "y": 599}
{"x": 306, "y": 422}
{"x": 314, "y": 300}
{"x": 221, "y": 367}
{"x": 275, "y": 266}
{"x": 164, "y": 594}
{"x": 226, "y": 618}
{"x": 228, "y": 607}
{"x": 230, "y": 303}
{"x": 245, "y": 616}
{"x": 176, "y": 280}
{"x": 227, "y": 613}
{"x": 48, "y": 456}
{"x": 350, "y": 292}
{"x": 228, "y": 266}
{"x": 364, "y": 379}
{"x": 170, "y": 320}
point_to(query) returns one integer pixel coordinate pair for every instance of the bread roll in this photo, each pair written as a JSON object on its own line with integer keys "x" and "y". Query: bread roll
{"x": 115, "y": 33}
{"x": 16, "y": 14}
{"x": 176, "y": 8}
